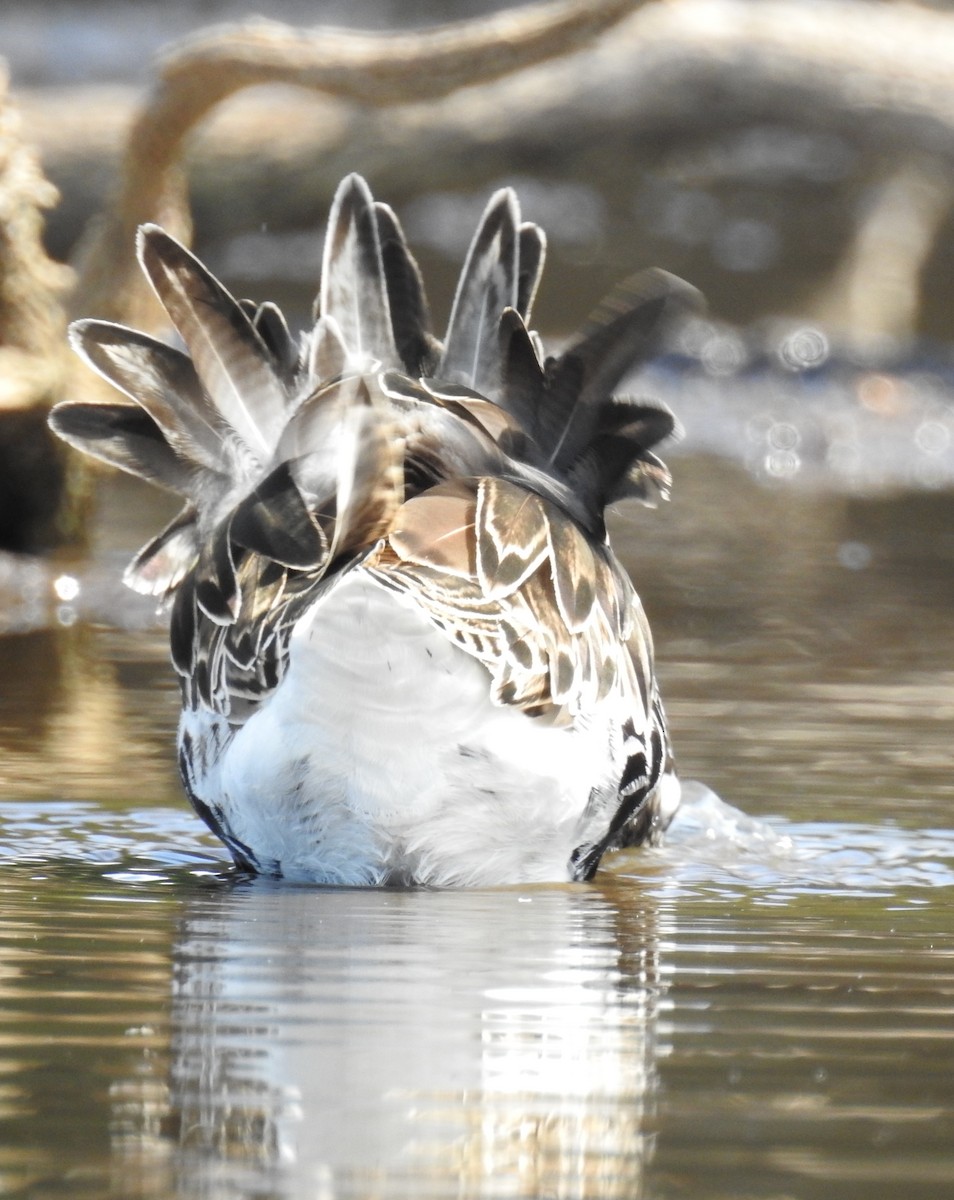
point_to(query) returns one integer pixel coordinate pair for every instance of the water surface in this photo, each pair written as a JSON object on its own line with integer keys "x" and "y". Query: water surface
{"x": 762, "y": 1008}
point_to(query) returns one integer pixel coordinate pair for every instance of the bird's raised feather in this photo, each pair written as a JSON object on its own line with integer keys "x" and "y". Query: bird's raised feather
{"x": 407, "y": 651}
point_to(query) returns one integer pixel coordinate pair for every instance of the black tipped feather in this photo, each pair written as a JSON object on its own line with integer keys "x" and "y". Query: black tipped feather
{"x": 618, "y": 462}
{"x": 161, "y": 380}
{"x": 627, "y": 328}
{"x": 162, "y": 564}
{"x": 523, "y": 378}
{"x": 274, "y": 522}
{"x": 410, "y": 317}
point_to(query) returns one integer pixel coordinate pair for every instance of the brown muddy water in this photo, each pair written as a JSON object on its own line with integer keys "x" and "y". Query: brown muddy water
{"x": 763, "y": 1008}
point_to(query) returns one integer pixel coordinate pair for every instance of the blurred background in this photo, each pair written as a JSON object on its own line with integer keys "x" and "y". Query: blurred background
{"x": 752, "y": 174}
{"x": 762, "y": 1008}
{"x": 793, "y": 159}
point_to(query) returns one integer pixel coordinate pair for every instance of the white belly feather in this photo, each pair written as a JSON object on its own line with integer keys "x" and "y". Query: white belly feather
{"x": 381, "y": 756}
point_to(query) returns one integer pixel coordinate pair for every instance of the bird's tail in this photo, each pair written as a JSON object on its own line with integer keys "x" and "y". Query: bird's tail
{"x": 306, "y": 446}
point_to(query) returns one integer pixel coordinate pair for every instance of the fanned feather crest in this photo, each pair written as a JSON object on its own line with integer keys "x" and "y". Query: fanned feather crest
{"x": 488, "y": 284}
{"x": 230, "y": 356}
{"x": 465, "y": 482}
{"x": 627, "y": 328}
{"x": 160, "y": 379}
{"x": 353, "y": 286}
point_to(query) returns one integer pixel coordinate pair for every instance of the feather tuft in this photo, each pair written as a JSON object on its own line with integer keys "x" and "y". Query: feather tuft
{"x": 464, "y": 483}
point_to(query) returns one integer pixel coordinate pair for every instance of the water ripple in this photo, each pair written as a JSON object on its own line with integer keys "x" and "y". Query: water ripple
{"x": 712, "y": 845}
{"x": 142, "y": 843}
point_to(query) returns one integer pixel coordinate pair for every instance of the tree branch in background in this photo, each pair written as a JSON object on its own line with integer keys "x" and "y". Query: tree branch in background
{"x": 377, "y": 70}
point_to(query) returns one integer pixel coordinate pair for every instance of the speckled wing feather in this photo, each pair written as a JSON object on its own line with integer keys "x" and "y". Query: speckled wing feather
{"x": 268, "y": 562}
{"x": 512, "y": 580}
{"x": 510, "y": 531}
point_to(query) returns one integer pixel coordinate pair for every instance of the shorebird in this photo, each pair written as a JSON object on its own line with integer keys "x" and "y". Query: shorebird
{"x": 408, "y": 654}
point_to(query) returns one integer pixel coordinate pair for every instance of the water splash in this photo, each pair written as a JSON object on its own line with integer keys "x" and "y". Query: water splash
{"x": 713, "y": 845}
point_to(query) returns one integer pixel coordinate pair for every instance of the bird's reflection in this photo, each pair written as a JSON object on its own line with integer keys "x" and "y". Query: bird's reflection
{"x": 381, "y": 1043}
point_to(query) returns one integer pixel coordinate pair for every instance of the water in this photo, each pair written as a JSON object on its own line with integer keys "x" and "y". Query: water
{"x": 762, "y": 1008}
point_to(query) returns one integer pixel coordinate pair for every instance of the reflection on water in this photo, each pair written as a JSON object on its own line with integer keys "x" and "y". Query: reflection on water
{"x": 761, "y": 1008}
{"x": 497, "y": 1044}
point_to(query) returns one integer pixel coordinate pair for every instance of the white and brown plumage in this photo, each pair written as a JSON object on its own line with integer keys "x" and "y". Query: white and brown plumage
{"x": 407, "y": 651}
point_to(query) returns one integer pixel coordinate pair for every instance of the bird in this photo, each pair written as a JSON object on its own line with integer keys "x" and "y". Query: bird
{"x": 408, "y": 655}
